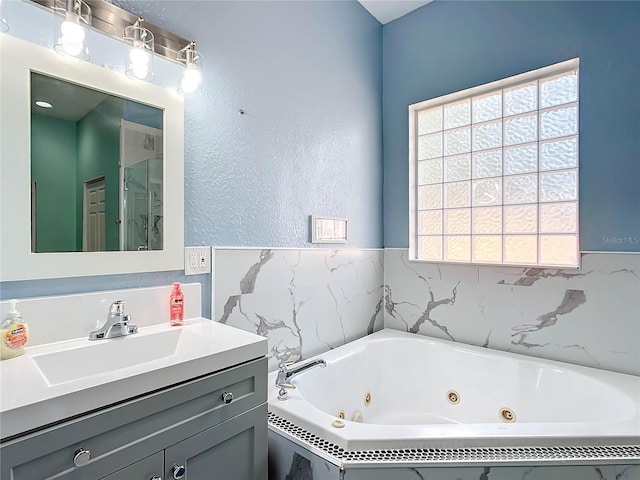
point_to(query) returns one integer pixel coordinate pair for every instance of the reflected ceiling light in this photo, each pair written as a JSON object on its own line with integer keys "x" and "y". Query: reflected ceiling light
{"x": 140, "y": 58}
{"x": 73, "y": 30}
{"x": 42, "y": 104}
{"x": 192, "y": 78}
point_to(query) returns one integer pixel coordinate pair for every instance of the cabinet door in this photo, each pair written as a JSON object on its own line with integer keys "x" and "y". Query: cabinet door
{"x": 233, "y": 450}
{"x": 149, "y": 468}
{"x": 122, "y": 434}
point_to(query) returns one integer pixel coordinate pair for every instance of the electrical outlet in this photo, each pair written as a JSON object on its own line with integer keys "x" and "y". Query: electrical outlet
{"x": 197, "y": 260}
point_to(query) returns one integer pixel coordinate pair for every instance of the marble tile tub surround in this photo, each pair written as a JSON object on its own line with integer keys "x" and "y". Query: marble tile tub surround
{"x": 589, "y": 316}
{"x": 63, "y": 317}
{"x": 305, "y": 301}
{"x": 582, "y": 472}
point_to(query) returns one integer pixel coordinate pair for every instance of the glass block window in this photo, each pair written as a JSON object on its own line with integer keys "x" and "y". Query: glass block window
{"x": 494, "y": 172}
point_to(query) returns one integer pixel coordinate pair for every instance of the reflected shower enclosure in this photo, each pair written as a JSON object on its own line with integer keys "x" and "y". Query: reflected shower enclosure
{"x": 141, "y": 169}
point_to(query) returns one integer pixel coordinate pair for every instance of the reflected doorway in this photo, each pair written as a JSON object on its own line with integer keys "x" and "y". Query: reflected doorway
{"x": 94, "y": 208}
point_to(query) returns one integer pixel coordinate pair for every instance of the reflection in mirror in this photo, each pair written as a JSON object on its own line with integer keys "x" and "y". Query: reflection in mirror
{"x": 96, "y": 170}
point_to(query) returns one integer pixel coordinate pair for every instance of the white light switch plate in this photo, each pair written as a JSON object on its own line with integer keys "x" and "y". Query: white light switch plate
{"x": 197, "y": 260}
{"x": 328, "y": 229}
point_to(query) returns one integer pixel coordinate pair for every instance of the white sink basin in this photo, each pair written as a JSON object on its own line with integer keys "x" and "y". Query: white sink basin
{"x": 102, "y": 356}
{"x": 59, "y": 380}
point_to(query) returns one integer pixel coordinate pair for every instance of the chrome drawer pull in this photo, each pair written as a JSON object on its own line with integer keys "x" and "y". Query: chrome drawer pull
{"x": 227, "y": 397}
{"x": 178, "y": 471}
{"x": 155, "y": 477}
{"x": 81, "y": 457}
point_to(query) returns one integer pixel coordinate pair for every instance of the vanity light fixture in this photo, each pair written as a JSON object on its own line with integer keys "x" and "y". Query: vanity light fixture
{"x": 145, "y": 41}
{"x": 140, "y": 59}
{"x": 192, "y": 78}
{"x": 73, "y": 30}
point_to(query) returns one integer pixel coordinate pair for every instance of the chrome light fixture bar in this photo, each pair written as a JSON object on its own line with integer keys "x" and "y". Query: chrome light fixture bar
{"x": 192, "y": 78}
{"x": 69, "y": 40}
{"x": 112, "y": 20}
{"x": 140, "y": 58}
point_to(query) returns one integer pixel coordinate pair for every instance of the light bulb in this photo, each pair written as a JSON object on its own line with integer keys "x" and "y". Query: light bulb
{"x": 72, "y": 32}
{"x": 139, "y": 58}
{"x": 71, "y": 48}
{"x": 140, "y": 71}
{"x": 191, "y": 79}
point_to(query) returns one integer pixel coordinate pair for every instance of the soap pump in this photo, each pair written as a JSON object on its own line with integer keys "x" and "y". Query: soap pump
{"x": 14, "y": 334}
{"x": 176, "y": 305}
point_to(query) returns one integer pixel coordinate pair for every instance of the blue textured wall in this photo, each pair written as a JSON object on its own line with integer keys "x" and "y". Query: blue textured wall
{"x": 309, "y": 77}
{"x": 449, "y": 46}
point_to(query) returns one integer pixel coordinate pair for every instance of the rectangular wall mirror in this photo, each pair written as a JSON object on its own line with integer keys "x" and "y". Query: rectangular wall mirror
{"x": 96, "y": 170}
{"x": 91, "y": 170}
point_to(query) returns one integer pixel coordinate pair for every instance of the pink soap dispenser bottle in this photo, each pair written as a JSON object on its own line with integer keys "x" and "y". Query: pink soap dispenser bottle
{"x": 176, "y": 306}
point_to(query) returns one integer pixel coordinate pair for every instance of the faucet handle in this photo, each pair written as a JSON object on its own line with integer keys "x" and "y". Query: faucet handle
{"x": 117, "y": 308}
{"x": 282, "y": 368}
{"x": 281, "y": 379}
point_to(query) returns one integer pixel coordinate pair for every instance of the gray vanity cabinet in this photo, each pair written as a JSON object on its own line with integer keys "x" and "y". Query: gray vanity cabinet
{"x": 214, "y": 426}
{"x": 233, "y": 450}
{"x": 146, "y": 469}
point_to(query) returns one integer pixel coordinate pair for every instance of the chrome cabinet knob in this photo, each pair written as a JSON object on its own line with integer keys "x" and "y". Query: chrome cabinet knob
{"x": 178, "y": 471}
{"x": 81, "y": 457}
{"x": 227, "y": 397}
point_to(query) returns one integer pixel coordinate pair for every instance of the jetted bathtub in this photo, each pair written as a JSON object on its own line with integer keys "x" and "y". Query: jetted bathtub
{"x": 397, "y": 390}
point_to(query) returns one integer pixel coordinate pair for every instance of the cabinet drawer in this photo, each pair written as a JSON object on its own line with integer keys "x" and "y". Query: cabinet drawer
{"x": 119, "y": 435}
{"x": 145, "y": 469}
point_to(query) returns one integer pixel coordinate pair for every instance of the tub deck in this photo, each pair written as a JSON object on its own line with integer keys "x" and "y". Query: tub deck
{"x": 409, "y": 379}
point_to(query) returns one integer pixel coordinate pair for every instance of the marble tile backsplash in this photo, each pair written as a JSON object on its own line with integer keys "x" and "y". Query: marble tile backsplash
{"x": 589, "y": 316}
{"x": 306, "y": 301}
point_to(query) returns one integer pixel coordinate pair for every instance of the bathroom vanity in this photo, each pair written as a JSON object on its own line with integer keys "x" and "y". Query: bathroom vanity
{"x": 211, "y": 427}
{"x": 198, "y": 412}
{"x": 165, "y": 402}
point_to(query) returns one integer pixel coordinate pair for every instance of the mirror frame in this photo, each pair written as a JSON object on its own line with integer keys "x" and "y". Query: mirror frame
{"x": 18, "y": 58}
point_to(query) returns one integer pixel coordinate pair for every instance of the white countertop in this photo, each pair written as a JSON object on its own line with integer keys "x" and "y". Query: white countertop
{"x": 28, "y": 401}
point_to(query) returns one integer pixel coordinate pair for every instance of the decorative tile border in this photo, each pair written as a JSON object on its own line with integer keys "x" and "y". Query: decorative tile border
{"x": 422, "y": 457}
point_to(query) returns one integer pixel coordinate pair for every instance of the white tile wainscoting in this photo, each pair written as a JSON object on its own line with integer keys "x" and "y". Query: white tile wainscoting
{"x": 306, "y": 301}
{"x": 589, "y": 316}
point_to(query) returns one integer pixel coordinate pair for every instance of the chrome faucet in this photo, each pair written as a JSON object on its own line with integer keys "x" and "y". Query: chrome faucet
{"x": 285, "y": 374}
{"x": 117, "y": 324}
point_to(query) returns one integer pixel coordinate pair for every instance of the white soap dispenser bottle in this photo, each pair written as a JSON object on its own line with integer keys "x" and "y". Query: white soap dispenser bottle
{"x": 14, "y": 334}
